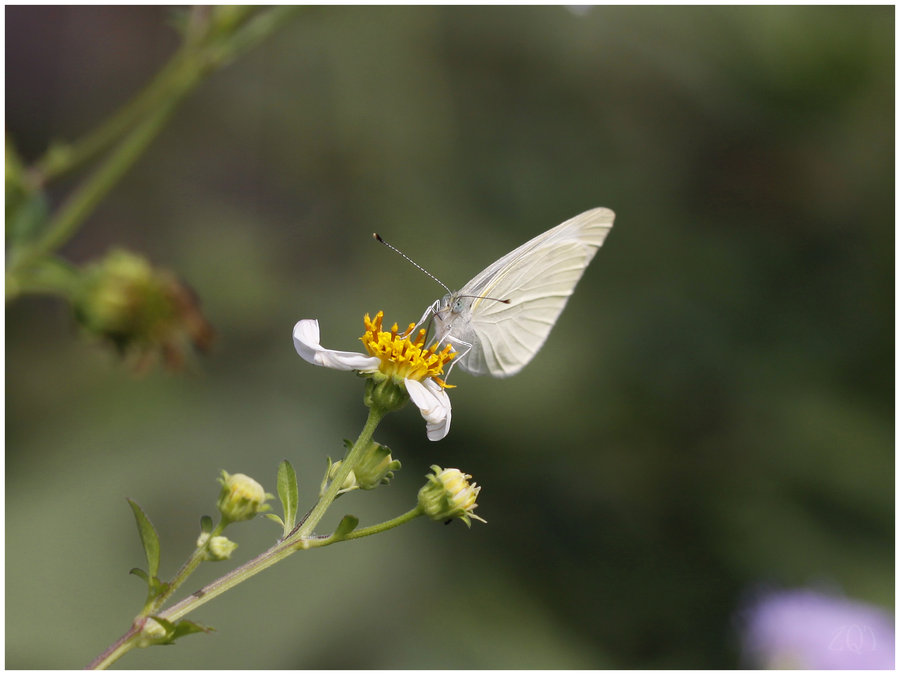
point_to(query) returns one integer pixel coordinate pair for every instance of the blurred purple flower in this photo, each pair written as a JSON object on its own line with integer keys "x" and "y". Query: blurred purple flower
{"x": 806, "y": 629}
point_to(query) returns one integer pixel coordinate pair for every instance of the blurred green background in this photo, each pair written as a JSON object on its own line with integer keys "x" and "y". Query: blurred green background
{"x": 713, "y": 411}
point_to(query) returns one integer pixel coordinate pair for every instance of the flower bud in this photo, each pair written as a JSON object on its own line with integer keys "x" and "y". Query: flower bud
{"x": 448, "y": 494}
{"x": 376, "y": 467}
{"x": 350, "y": 482}
{"x": 139, "y": 309}
{"x": 241, "y": 497}
{"x": 220, "y": 548}
{"x": 217, "y": 548}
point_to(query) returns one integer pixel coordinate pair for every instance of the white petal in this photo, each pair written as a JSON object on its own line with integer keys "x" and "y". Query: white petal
{"x": 306, "y": 342}
{"x": 434, "y": 404}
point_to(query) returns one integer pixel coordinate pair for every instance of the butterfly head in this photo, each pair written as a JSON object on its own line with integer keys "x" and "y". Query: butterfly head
{"x": 454, "y": 304}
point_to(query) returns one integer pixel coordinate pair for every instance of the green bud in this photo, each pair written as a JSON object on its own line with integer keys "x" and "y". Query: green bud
{"x": 384, "y": 393}
{"x": 217, "y": 548}
{"x": 220, "y": 548}
{"x": 349, "y": 483}
{"x": 376, "y": 467}
{"x": 241, "y": 497}
{"x": 127, "y": 302}
{"x": 448, "y": 494}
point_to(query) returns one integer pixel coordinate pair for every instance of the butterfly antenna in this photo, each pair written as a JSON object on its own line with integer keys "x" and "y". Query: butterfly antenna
{"x": 378, "y": 238}
{"x": 484, "y": 297}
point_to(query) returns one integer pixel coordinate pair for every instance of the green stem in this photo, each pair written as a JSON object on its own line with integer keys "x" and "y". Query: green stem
{"x": 116, "y": 650}
{"x": 128, "y": 641}
{"x": 61, "y": 159}
{"x": 85, "y": 199}
{"x": 261, "y": 562}
{"x": 191, "y": 564}
{"x": 386, "y": 525}
{"x": 49, "y": 275}
{"x": 64, "y": 158}
{"x": 297, "y": 540}
{"x": 350, "y": 461}
{"x": 366, "y": 531}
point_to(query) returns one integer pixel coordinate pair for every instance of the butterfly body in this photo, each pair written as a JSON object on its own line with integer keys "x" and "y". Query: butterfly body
{"x": 501, "y": 318}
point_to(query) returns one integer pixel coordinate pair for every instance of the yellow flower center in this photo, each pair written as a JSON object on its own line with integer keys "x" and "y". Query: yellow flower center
{"x": 402, "y": 356}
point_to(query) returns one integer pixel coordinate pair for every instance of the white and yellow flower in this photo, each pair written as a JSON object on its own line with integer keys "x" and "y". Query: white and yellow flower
{"x": 393, "y": 356}
{"x": 449, "y": 494}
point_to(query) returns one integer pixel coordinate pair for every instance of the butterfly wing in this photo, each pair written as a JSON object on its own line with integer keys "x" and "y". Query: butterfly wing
{"x": 537, "y": 278}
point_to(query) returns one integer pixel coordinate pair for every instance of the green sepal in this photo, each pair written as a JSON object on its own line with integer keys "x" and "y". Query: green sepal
{"x": 384, "y": 394}
{"x": 346, "y": 526}
{"x": 289, "y": 494}
{"x": 206, "y": 524}
{"x": 149, "y": 538}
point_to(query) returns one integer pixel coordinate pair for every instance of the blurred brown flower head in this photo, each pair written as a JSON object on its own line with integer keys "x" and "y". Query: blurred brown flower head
{"x": 142, "y": 311}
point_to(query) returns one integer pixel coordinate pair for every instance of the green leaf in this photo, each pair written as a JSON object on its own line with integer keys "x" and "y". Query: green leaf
{"x": 173, "y": 631}
{"x": 185, "y": 627}
{"x": 206, "y": 524}
{"x": 149, "y": 538}
{"x": 138, "y": 572}
{"x": 277, "y": 519}
{"x": 289, "y": 494}
{"x": 346, "y": 526}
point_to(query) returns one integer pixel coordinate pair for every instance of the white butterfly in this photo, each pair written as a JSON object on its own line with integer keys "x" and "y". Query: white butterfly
{"x": 501, "y": 318}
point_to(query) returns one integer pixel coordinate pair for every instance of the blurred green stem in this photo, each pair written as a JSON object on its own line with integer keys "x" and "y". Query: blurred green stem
{"x": 48, "y": 275}
{"x": 213, "y": 37}
{"x": 89, "y": 194}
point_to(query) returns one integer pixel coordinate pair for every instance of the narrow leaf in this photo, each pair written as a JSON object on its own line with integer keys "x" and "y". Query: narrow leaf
{"x": 277, "y": 519}
{"x": 346, "y": 526}
{"x": 149, "y": 538}
{"x": 206, "y": 524}
{"x": 138, "y": 572}
{"x": 185, "y": 627}
{"x": 289, "y": 494}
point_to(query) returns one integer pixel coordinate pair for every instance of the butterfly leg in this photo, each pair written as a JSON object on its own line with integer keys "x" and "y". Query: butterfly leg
{"x": 428, "y": 317}
{"x": 461, "y": 347}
